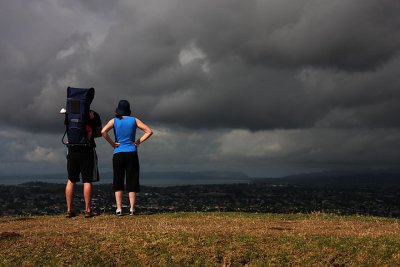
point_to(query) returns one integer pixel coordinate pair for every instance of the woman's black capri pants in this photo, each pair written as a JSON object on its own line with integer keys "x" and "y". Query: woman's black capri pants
{"x": 126, "y": 163}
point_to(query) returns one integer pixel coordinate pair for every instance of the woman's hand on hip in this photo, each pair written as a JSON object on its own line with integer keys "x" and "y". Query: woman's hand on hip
{"x": 114, "y": 145}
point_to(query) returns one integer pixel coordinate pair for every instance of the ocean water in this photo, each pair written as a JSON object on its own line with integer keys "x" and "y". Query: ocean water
{"x": 146, "y": 181}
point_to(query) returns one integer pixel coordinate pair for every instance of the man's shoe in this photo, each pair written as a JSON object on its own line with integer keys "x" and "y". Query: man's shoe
{"x": 70, "y": 214}
{"x": 118, "y": 212}
{"x": 132, "y": 212}
{"x": 89, "y": 214}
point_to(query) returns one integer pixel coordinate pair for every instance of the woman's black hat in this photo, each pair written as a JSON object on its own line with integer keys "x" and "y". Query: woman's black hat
{"x": 123, "y": 109}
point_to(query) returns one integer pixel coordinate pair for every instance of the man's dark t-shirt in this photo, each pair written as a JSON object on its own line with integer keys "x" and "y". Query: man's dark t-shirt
{"x": 96, "y": 126}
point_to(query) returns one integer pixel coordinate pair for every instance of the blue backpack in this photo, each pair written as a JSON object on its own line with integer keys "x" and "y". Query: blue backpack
{"x": 77, "y": 115}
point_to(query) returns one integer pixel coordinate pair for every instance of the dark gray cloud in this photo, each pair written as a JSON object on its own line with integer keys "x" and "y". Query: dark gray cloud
{"x": 299, "y": 68}
{"x": 319, "y": 146}
{"x": 44, "y": 46}
{"x": 261, "y": 153}
{"x": 205, "y": 64}
{"x": 344, "y": 35}
{"x": 257, "y": 65}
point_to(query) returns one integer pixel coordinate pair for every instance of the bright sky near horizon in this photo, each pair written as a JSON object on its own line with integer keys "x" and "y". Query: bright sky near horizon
{"x": 266, "y": 87}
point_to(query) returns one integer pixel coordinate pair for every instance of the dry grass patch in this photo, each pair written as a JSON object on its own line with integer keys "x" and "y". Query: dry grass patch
{"x": 199, "y": 239}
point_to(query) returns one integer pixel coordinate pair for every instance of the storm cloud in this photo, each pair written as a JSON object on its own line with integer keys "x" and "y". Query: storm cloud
{"x": 295, "y": 79}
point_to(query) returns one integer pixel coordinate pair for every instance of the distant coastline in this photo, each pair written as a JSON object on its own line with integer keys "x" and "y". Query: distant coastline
{"x": 157, "y": 179}
{"x": 388, "y": 177}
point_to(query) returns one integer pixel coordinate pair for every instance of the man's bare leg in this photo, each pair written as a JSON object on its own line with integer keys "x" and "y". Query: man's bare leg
{"x": 87, "y": 195}
{"x": 69, "y": 194}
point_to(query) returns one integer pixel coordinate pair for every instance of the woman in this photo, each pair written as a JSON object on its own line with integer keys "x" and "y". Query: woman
{"x": 125, "y": 158}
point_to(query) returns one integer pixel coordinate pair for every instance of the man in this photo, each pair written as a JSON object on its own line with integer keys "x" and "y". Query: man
{"x": 82, "y": 160}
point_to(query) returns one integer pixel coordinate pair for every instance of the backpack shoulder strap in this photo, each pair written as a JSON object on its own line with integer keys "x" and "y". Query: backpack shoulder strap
{"x": 63, "y": 138}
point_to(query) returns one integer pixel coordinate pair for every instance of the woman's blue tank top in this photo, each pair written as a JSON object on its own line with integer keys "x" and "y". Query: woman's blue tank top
{"x": 125, "y": 131}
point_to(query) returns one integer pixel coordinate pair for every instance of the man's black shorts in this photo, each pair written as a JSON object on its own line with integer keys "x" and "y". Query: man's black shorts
{"x": 126, "y": 162}
{"x": 81, "y": 160}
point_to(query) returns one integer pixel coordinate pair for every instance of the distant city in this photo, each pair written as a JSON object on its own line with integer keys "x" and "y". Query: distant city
{"x": 372, "y": 193}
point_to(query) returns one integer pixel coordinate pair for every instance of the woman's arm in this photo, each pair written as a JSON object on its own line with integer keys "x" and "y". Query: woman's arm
{"x": 104, "y": 133}
{"x": 146, "y": 129}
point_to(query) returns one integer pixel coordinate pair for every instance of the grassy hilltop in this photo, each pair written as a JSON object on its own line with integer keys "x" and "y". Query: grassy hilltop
{"x": 200, "y": 239}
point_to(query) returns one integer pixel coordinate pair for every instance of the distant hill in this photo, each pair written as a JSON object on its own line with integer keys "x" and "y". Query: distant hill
{"x": 382, "y": 178}
{"x": 385, "y": 178}
{"x": 147, "y": 178}
{"x": 24, "y": 178}
{"x": 196, "y": 175}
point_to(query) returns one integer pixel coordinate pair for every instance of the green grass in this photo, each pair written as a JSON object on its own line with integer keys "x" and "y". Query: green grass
{"x": 200, "y": 239}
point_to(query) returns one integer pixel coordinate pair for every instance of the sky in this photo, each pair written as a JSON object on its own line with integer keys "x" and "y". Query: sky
{"x": 265, "y": 87}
